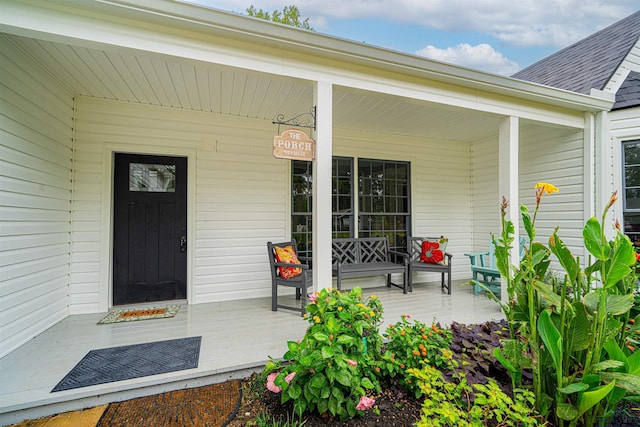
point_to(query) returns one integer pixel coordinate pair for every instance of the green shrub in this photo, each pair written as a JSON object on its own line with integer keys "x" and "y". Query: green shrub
{"x": 455, "y": 403}
{"x": 571, "y": 330}
{"x": 411, "y": 345}
{"x": 334, "y": 366}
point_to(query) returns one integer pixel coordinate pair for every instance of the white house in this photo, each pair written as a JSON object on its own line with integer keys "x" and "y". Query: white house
{"x": 176, "y": 103}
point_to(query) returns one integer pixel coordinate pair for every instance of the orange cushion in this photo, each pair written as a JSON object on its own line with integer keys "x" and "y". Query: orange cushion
{"x": 287, "y": 255}
{"x": 433, "y": 251}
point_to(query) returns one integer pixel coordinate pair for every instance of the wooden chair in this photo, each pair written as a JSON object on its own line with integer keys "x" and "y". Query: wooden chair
{"x": 484, "y": 269}
{"x": 302, "y": 282}
{"x": 414, "y": 249}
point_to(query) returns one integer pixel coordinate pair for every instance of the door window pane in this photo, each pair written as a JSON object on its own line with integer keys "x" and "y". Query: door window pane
{"x": 150, "y": 178}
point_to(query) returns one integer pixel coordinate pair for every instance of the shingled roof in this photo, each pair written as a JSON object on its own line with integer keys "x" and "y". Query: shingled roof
{"x": 591, "y": 62}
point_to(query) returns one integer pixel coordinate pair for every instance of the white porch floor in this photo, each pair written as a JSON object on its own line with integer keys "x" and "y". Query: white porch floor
{"x": 237, "y": 338}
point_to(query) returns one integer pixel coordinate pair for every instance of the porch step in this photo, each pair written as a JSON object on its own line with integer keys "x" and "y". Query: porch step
{"x": 88, "y": 397}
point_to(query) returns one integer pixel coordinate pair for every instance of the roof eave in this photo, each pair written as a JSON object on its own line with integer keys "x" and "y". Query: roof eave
{"x": 188, "y": 16}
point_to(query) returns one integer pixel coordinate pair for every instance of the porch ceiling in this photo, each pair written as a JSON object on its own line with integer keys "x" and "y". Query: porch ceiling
{"x": 142, "y": 77}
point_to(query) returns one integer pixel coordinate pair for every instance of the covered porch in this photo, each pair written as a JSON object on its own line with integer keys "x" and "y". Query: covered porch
{"x": 85, "y": 81}
{"x": 238, "y": 337}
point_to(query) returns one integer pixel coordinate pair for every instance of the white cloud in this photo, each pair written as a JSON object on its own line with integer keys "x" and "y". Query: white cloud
{"x": 480, "y": 57}
{"x": 554, "y": 23}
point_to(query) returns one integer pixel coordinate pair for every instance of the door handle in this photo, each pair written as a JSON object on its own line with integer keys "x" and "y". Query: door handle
{"x": 183, "y": 243}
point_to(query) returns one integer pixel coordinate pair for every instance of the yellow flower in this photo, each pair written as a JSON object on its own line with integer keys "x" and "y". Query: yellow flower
{"x": 316, "y": 319}
{"x": 544, "y": 187}
{"x": 373, "y": 297}
{"x": 340, "y": 308}
{"x": 371, "y": 313}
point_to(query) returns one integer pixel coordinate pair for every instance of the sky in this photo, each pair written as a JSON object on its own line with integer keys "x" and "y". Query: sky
{"x": 496, "y": 36}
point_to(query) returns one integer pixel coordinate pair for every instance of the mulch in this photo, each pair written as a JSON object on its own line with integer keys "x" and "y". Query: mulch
{"x": 207, "y": 406}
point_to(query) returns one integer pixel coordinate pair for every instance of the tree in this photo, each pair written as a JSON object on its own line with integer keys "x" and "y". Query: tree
{"x": 289, "y": 16}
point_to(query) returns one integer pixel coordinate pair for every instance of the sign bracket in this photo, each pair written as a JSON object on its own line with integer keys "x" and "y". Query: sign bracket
{"x": 304, "y": 120}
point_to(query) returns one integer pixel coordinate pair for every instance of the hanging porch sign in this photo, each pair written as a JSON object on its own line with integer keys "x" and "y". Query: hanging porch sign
{"x": 294, "y": 144}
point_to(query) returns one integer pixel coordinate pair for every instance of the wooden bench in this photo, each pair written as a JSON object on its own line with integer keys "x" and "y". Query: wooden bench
{"x": 366, "y": 256}
{"x": 484, "y": 269}
{"x": 414, "y": 248}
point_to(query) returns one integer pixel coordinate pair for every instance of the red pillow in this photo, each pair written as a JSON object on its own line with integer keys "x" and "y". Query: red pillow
{"x": 433, "y": 251}
{"x": 287, "y": 255}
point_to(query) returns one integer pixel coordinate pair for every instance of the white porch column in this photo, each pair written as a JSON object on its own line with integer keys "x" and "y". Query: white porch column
{"x": 323, "y": 100}
{"x": 508, "y": 182}
{"x": 604, "y": 185}
{"x": 589, "y": 175}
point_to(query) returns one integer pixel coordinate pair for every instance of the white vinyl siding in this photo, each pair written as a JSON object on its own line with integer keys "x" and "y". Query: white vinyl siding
{"x": 630, "y": 63}
{"x": 545, "y": 154}
{"x": 36, "y": 121}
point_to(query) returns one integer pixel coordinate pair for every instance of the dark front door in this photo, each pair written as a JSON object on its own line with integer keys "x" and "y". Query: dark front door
{"x": 150, "y": 228}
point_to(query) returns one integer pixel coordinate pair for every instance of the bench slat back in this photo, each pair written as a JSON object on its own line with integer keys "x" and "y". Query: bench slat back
{"x": 360, "y": 250}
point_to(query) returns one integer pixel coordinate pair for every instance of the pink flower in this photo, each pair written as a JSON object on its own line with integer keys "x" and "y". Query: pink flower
{"x": 271, "y": 385}
{"x": 289, "y": 377}
{"x": 313, "y": 297}
{"x": 352, "y": 362}
{"x": 365, "y": 403}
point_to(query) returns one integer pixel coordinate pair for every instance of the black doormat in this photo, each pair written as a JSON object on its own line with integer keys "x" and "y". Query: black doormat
{"x": 132, "y": 361}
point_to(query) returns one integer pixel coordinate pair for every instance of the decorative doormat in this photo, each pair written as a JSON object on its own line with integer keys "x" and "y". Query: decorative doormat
{"x": 141, "y": 313}
{"x": 211, "y": 406}
{"x": 132, "y": 361}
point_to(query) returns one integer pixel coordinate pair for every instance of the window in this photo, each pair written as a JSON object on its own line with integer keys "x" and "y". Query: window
{"x": 631, "y": 185}
{"x": 384, "y": 206}
{"x": 384, "y": 201}
{"x": 342, "y": 197}
{"x": 341, "y": 201}
{"x": 301, "y": 208}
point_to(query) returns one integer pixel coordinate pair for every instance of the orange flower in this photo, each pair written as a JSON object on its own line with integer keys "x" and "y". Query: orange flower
{"x": 402, "y": 366}
{"x": 544, "y": 187}
{"x": 415, "y": 352}
{"x": 402, "y": 332}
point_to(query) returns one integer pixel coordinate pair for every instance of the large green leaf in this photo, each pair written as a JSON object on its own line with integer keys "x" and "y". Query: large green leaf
{"x": 615, "y": 352}
{"x": 629, "y": 382}
{"x": 592, "y": 235}
{"x": 565, "y": 257}
{"x": 619, "y": 304}
{"x": 299, "y": 406}
{"x": 579, "y": 328}
{"x": 327, "y": 352}
{"x": 551, "y": 338}
{"x": 616, "y": 273}
{"x": 566, "y": 411}
{"x": 343, "y": 377}
{"x": 633, "y": 363}
{"x": 527, "y": 223}
{"x": 590, "y": 398}
{"x": 606, "y": 364}
{"x": 497, "y": 353}
{"x": 573, "y": 388}
{"x": 320, "y": 337}
{"x": 547, "y": 292}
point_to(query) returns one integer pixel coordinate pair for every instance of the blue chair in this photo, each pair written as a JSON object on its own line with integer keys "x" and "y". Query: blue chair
{"x": 484, "y": 269}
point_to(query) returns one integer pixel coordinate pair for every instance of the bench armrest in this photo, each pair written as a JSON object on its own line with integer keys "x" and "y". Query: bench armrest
{"x": 405, "y": 256}
{"x": 287, "y": 265}
{"x": 477, "y": 258}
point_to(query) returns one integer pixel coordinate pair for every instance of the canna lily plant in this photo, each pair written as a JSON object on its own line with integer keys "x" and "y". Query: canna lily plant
{"x": 568, "y": 328}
